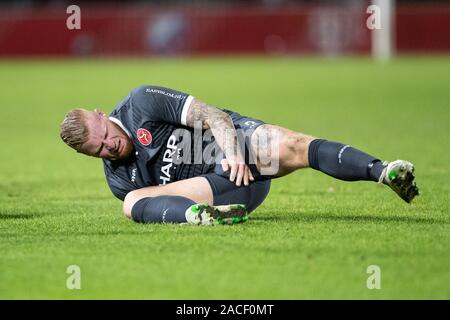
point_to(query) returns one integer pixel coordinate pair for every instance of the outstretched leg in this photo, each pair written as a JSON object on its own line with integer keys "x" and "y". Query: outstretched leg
{"x": 280, "y": 151}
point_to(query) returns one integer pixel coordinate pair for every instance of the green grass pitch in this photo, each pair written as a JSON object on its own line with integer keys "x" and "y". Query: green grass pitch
{"x": 314, "y": 237}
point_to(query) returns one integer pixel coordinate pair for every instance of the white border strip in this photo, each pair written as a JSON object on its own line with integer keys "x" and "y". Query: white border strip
{"x": 185, "y": 110}
{"x": 117, "y": 121}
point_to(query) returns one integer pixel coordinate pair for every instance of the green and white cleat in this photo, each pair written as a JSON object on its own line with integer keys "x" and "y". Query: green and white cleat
{"x": 399, "y": 175}
{"x": 204, "y": 214}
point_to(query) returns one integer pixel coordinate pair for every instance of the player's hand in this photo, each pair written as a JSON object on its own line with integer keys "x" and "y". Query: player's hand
{"x": 239, "y": 171}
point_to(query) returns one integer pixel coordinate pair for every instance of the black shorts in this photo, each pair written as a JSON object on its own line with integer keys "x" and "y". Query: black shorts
{"x": 225, "y": 191}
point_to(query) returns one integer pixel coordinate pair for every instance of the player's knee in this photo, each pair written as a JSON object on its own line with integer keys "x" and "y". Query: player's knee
{"x": 295, "y": 149}
{"x": 130, "y": 199}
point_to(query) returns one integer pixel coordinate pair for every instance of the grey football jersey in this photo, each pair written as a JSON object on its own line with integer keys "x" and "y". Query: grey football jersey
{"x": 155, "y": 120}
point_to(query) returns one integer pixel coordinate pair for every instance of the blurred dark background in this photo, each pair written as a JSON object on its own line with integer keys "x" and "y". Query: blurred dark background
{"x": 222, "y": 27}
{"x": 193, "y": 2}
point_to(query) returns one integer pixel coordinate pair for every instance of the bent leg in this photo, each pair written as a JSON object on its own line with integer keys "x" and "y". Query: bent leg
{"x": 176, "y": 197}
{"x": 169, "y": 203}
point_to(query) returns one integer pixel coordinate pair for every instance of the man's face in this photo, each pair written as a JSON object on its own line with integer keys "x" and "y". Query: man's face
{"x": 106, "y": 139}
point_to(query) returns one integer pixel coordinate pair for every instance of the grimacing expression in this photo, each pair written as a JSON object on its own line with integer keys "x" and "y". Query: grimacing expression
{"x": 106, "y": 139}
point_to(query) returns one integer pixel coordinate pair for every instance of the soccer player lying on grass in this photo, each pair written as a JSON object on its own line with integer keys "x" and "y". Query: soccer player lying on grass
{"x": 172, "y": 158}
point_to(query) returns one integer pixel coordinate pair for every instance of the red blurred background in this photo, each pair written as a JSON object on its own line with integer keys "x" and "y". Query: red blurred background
{"x": 234, "y": 27}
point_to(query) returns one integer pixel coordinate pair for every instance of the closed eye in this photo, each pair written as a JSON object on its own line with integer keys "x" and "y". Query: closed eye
{"x": 102, "y": 145}
{"x": 99, "y": 150}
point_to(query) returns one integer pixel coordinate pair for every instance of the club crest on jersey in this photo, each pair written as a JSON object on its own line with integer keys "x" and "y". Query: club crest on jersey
{"x": 144, "y": 136}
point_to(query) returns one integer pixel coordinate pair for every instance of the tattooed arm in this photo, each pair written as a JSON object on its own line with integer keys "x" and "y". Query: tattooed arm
{"x": 205, "y": 116}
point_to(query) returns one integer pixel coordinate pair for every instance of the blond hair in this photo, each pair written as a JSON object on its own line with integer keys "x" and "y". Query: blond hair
{"x": 73, "y": 129}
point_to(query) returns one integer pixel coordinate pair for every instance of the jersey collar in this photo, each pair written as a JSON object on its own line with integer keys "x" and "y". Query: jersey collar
{"x": 119, "y": 123}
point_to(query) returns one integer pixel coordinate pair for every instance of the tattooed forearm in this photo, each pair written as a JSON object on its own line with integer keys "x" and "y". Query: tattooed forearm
{"x": 197, "y": 115}
{"x": 208, "y": 117}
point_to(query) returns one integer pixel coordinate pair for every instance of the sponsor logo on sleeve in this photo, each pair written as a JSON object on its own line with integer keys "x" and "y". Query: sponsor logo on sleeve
{"x": 169, "y": 94}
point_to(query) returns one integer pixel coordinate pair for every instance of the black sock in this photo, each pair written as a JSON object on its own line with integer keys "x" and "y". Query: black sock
{"x": 343, "y": 162}
{"x": 161, "y": 209}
